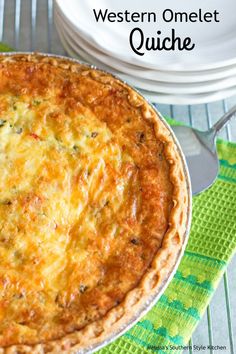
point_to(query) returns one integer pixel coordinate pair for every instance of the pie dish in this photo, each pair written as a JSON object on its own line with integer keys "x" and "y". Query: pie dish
{"x": 94, "y": 205}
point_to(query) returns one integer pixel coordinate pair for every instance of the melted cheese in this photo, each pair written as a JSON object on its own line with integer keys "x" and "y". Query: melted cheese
{"x": 56, "y": 181}
{"x": 85, "y": 197}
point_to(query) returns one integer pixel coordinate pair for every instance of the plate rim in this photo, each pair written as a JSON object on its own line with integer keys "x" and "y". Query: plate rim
{"x": 145, "y": 64}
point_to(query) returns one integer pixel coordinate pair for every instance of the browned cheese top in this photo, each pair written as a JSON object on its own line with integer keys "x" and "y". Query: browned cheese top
{"x": 85, "y": 197}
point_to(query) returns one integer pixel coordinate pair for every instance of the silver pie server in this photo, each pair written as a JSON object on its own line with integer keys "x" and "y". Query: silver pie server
{"x": 199, "y": 148}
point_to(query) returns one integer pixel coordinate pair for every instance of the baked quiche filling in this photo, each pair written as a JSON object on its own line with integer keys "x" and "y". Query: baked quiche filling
{"x": 85, "y": 198}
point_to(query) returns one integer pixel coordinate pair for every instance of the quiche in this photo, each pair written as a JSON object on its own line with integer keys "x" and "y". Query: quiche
{"x": 94, "y": 205}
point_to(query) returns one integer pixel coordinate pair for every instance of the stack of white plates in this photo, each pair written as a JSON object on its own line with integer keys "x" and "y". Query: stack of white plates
{"x": 205, "y": 74}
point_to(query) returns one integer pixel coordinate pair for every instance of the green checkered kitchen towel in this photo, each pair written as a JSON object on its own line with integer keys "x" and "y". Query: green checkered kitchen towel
{"x": 169, "y": 324}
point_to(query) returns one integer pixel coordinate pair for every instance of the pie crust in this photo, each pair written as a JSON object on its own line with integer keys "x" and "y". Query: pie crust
{"x": 94, "y": 205}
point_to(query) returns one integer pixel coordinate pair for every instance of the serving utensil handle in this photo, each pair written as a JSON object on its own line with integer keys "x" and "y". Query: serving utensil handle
{"x": 216, "y": 128}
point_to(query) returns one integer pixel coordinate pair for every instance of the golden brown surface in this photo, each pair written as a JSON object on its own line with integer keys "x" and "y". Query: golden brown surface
{"x": 85, "y": 197}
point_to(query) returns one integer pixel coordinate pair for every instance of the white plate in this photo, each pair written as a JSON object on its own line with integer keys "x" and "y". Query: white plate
{"x": 215, "y": 41}
{"x": 156, "y": 97}
{"x": 81, "y": 48}
{"x": 153, "y": 75}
